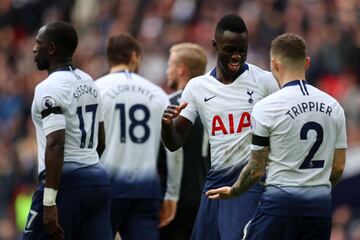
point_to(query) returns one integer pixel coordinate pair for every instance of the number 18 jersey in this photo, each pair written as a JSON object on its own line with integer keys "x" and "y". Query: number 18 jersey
{"x": 133, "y": 108}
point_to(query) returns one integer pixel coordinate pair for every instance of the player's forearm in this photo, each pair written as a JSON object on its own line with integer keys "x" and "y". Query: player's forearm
{"x": 170, "y": 137}
{"x": 335, "y": 177}
{"x": 54, "y": 158}
{"x": 246, "y": 180}
{"x": 253, "y": 171}
{"x": 101, "y": 139}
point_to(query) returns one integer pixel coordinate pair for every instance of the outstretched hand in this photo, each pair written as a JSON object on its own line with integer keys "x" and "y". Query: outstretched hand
{"x": 171, "y": 112}
{"x": 220, "y": 193}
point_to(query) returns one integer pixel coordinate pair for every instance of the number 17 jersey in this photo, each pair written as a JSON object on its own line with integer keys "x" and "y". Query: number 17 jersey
{"x": 68, "y": 99}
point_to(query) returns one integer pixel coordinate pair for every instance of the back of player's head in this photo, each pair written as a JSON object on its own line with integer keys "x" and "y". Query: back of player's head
{"x": 64, "y": 36}
{"x": 192, "y": 56}
{"x": 230, "y": 22}
{"x": 289, "y": 47}
{"x": 120, "y": 47}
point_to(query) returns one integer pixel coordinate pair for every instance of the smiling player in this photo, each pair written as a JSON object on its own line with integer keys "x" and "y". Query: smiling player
{"x": 223, "y": 98}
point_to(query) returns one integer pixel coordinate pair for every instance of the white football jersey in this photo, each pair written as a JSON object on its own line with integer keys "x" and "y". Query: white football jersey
{"x": 225, "y": 111}
{"x": 68, "y": 99}
{"x": 304, "y": 126}
{"x": 133, "y": 108}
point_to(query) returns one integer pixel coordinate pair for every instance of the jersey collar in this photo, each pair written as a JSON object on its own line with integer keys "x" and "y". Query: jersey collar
{"x": 244, "y": 68}
{"x": 69, "y": 68}
{"x": 294, "y": 82}
{"x": 301, "y": 83}
{"x": 125, "y": 71}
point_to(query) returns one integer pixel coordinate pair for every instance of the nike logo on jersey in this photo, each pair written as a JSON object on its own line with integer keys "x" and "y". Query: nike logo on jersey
{"x": 207, "y": 99}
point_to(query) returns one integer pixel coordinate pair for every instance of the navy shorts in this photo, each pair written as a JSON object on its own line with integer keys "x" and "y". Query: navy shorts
{"x": 135, "y": 219}
{"x": 83, "y": 203}
{"x": 83, "y": 214}
{"x": 264, "y": 227}
{"x": 224, "y": 219}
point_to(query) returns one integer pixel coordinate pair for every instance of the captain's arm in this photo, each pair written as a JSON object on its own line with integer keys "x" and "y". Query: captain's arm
{"x": 54, "y": 158}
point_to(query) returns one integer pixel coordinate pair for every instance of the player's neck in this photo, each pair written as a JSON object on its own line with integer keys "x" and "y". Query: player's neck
{"x": 181, "y": 84}
{"x": 53, "y": 67}
{"x": 121, "y": 67}
{"x": 223, "y": 77}
{"x": 291, "y": 76}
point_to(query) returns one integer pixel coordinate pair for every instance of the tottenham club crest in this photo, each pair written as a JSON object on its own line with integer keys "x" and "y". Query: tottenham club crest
{"x": 48, "y": 102}
{"x": 250, "y": 93}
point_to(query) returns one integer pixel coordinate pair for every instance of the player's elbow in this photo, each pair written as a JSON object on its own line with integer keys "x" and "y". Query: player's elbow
{"x": 258, "y": 174}
{"x": 171, "y": 147}
{"x": 100, "y": 148}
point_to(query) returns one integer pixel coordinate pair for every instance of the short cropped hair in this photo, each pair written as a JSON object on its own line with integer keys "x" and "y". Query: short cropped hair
{"x": 64, "y": 35}
{"x": 120, "y": 47}
{"x": 192, "y": 56}
{"x": 230, "y": 22}
{"x": 289, "y": 46}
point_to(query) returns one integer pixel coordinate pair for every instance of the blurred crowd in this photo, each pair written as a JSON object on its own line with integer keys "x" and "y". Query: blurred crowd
{"x": 330, "y": 27}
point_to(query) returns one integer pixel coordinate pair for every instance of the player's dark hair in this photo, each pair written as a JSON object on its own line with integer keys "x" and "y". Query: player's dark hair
{"x": 230, "y": 22}
{"x": 64, "y": 36}
{"x": 120, "y": 47}
{"x": 290, "y": 46}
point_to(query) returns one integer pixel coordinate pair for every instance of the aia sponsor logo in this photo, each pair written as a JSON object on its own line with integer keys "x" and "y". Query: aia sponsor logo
{"x": 230, "y": 125}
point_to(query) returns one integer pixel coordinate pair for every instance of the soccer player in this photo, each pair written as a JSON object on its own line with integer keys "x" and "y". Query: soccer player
{"x": 223, "y": 98}
{"x": 299, "y": 134}
{"x": 186, "y": 61}
{"x": 133, "y": 107}
{"x": 73, "y": 198}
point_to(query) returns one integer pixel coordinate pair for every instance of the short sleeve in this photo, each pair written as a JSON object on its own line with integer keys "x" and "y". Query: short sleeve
{"x": 268, "y": 82}
{"x": 260, "y": 122}
{"x": 341, "y": 141}
{"x": 190, "y": 112}
{"x": 49, "y": 101}
{"x": 101, "y": 108}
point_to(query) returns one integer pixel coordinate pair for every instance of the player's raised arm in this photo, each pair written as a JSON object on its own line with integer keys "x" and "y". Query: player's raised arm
{"x": 174, "y": 128}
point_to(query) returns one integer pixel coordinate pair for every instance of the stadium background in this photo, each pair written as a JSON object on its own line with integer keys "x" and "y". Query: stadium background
{"x": 330, "y": 27}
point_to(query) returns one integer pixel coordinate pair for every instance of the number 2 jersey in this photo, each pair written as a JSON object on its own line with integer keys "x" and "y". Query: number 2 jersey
{"x": 304, "y": 126}
{"x": 133, "y": 108}
{"x": 225, "y": 111}
{"x": 68, "y": 99}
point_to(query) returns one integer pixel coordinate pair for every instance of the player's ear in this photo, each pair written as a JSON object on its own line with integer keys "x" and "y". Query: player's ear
{"x": 182, "y": 69}
{"x": 273, "y": 64}
{"x": 214, "y": 44}
{"x": 307, "y": 63}
{"x": 134, "y": 59}
{"x": 51, "y": 48}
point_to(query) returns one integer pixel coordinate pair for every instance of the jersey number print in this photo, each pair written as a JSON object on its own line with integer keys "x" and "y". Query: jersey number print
{"x": 88, "y": 109}
{"x": 134, "y": 122}
{"x": 308, "y": 162}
